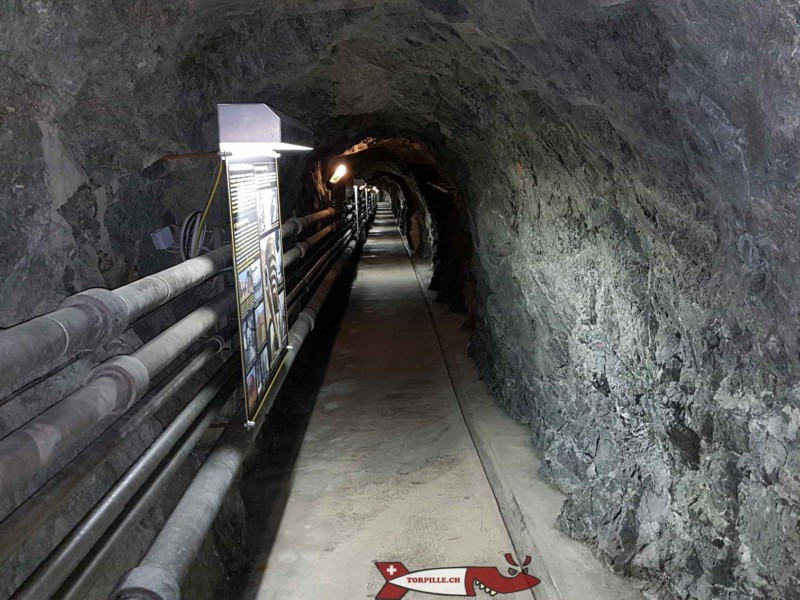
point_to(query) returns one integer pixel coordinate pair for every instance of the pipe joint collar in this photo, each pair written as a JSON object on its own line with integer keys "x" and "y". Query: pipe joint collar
{"x": 147, "y": 583}
{"x": 305, "y": 325}
{"x": 220, "y": 342}
{"x": 109, "y": 308}
{"x": 129, "y": 371}
{"x": 291, "y": 227}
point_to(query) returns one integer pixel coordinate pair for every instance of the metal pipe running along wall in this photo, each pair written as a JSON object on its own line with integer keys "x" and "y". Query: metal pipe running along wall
{"x": 300, "y": 249}
{"x": 91, "y": 318}
{"x": 159, "y": 574}
{"x": 113, "y": 387}
{"x": 81, "y": 582}
{"x": 327, "y": 253}
{"x": 295, "y": 225}
{"x": 33, "y": 514}
{"x": 62, "y": 561}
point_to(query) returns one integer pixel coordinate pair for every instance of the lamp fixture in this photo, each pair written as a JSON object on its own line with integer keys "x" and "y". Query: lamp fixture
{"x": 340, "y": 172}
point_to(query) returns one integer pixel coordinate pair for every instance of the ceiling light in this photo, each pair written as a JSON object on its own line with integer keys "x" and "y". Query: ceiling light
{"x": 340, "y": 172}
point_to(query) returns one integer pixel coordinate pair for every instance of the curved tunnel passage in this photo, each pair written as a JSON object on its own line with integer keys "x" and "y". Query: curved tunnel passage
{"x": 430, "y": 209}
{"x": 606, "y": 188}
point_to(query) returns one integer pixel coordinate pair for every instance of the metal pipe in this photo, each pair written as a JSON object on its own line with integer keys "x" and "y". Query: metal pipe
{"x": 300, "y": 249}
{"x": 293, "y": 226}
{"x": 294, "y": 307}
{"x": 310, "y": 282}
{"x": 323, "y": 245}
{"x": 51, "y": 573}
{"x": 190, "y": 155}
{"x": 142, "y": 296}
{"x": 326, "y": 240}
{"x": 168, "y": 345}
{"x": 80, "y": 583}
{"x": 91, "y": 318}
{"x": 28, "y": 518}
{"x": 112, "y": 388}
{"x": 94, "y": 317}
{"x": 319, "y": 265}
{"x": 159, "y": 574}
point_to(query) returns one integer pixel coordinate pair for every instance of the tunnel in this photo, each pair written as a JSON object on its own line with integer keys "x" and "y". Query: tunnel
{"x": 559, "y": 338}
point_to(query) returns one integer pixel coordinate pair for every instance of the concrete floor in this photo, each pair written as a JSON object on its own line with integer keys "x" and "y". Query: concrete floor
{"x": 380, "y": 465}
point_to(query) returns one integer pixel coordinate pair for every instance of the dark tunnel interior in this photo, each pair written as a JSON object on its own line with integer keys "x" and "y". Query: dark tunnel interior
{"x": 603, "y": 192}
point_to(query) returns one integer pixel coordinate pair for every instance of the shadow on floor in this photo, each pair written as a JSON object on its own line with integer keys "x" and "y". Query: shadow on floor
{"x": 266, "y": 482}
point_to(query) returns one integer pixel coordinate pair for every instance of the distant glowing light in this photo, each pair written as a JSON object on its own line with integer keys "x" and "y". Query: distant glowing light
{"x": 340, "y": 172}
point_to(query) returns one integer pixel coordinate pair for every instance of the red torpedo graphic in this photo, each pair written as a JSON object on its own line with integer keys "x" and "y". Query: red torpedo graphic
{"x": 454, "y": 581}
{"x": 391, "y": 571}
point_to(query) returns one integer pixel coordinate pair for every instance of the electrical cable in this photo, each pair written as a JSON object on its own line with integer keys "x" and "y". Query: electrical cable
{"x": 183, "y": 237}
{"x": 199, "y": 232}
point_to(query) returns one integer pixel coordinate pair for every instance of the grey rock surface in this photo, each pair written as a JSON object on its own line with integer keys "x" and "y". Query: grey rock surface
{"x": 628, "y": 175}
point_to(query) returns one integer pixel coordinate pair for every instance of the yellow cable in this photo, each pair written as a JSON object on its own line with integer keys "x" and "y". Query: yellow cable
{"x": 202, "y": 223}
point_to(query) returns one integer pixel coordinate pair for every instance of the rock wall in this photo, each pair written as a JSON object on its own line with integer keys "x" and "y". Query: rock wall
{"x": 635, "y": 265}
{"x": 628, "y": 172}
{"x": 83, "y": 123}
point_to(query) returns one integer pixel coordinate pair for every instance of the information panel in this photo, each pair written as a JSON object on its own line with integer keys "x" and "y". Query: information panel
{"x": 258, "y": 266}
